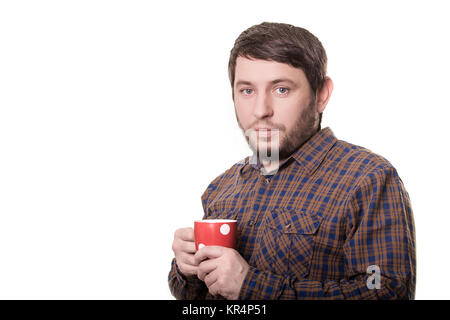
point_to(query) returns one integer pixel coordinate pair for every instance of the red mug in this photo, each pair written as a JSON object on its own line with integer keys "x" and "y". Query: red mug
{"x": 215, "y": 232}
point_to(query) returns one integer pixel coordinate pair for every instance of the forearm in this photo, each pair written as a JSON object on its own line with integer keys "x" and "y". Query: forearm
{"x": 264, "y": 285}
{"x": 185, "y": 288}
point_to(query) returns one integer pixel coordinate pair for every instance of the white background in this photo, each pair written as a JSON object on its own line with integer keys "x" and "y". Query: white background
{"x": 116, "y": 115}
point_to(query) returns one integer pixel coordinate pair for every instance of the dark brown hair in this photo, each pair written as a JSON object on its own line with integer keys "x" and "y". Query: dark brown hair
{"x": 283, "y": 43}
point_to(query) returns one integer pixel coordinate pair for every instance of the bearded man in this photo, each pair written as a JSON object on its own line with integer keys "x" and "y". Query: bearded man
{"x": 317, "y": 217}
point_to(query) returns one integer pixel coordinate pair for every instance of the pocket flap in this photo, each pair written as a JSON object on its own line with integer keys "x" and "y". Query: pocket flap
{"x": 293, "y": 221}
{"x": 229, "y": 214}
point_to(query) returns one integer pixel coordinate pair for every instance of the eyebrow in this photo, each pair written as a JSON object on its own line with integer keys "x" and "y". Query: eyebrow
{"x": 244, "y": 82}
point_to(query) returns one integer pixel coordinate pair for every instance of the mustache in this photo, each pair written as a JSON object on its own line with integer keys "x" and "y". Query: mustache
{"x": 268, "y": 125}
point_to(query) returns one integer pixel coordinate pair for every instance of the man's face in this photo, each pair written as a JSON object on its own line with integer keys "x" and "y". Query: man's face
{"x": 274, "y": 105}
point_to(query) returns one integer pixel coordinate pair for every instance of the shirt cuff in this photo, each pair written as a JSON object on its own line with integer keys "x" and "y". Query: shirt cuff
{"x": 185, "y": 280}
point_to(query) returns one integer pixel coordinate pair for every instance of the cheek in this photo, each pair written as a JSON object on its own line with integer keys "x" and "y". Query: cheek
{"x": 289, "y": 121}
{"x": 244, "y": 115}
{"x": 291, "y": 113}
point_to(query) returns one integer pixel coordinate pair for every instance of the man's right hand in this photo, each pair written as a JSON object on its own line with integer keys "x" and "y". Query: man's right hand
{"x": 184, "y": 248}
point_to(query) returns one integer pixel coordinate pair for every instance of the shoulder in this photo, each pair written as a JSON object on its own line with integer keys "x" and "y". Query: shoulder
{"x": 229, "y": 175}
{"x": 358, "y": 165}
{"x": 357, "y": 158}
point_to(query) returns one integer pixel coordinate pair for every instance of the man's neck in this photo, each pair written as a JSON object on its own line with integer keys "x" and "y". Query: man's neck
{"x": 269, "y": 167}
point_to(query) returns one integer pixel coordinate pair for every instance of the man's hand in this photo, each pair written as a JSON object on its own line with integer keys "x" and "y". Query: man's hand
{"x": 184, "y": 248}
{"x": 223, "y": 271}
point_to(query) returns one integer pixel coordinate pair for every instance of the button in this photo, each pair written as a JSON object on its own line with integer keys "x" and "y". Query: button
{"x": 288, "y": 227}
{"x": 266, "y": 180}
{"x": 251, "y": 223}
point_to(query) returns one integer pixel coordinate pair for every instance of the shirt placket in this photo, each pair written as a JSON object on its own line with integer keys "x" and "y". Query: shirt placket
{"x": 256, "y": 215}
{"x": 262, "y": 187}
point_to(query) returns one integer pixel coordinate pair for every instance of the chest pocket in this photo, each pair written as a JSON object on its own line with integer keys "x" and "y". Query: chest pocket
{"x": 286, "y": 241}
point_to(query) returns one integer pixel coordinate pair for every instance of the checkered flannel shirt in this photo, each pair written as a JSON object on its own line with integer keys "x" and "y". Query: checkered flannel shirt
{"x": 318, "y": 228}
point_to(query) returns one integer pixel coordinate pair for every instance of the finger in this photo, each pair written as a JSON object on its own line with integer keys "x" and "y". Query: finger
{"x": 208, "y": 252}
{"x": 183, "y": 245}
{"x": 188, "y": 246}
{"x": 187, "y": 269}
{"x": 209, "y": 265}
{"x": 186, "y": 234}
{"x": 211, "y": 278}
{"x": 206, "y": 267}
{"x": 187, "y": 258}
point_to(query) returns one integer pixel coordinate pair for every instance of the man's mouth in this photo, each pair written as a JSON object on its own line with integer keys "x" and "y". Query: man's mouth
{"x": 266, "y": 132}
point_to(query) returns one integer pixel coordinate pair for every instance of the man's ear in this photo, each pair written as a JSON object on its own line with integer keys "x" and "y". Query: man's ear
{"x": 324, "y": 94}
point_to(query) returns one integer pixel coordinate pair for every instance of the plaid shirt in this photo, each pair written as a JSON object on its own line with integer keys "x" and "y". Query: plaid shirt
{"x": 317, "y": 228}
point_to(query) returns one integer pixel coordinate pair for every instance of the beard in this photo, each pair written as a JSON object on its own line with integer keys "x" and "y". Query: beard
{"x": 305, "y": 126}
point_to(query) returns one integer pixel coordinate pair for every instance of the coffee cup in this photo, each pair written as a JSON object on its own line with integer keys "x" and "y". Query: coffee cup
{"x": 215, "y": 232}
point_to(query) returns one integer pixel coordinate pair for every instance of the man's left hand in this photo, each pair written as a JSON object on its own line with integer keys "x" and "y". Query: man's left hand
{"x": 222, "y": 269}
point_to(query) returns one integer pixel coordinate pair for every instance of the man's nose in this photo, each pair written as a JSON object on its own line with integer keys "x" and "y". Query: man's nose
{"x": 263, "y": 106}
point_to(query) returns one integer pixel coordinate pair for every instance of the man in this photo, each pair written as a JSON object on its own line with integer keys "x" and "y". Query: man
{"x": 318, "y": 218}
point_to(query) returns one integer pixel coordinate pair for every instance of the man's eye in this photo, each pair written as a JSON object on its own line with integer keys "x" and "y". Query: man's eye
{"x": 282, "y": 90}
{"x": 247, "y": 91}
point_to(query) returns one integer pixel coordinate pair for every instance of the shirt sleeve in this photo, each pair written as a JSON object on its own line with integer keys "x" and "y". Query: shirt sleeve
{"x": 210, "y": 193}
{"x": 191, "y": 288}
{"x": 380, "y": 239}
{"x": 185, "y": 288}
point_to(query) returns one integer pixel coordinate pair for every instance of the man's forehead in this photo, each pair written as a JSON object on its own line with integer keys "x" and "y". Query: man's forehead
{"x": 260, "y": 63}
{"x": 251, "y": 71}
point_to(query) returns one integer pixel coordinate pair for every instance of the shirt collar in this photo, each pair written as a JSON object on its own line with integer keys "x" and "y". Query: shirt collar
{"x": 310, "y": 155}
{"x": 257, "y": 164}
